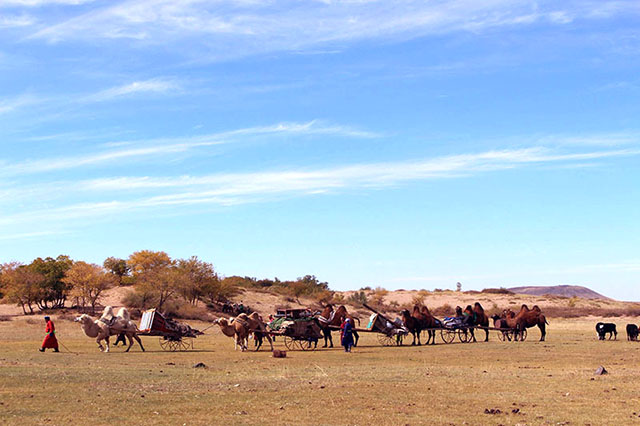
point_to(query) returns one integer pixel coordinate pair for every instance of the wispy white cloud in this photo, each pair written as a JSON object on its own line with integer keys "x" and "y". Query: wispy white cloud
{"x": 239, "y": 188}
{"x": 599, "y": 139}
{"x": 360, "y": 175}
{"x": 231, "y": 28}
{"x": 41, "y": 3}
{"x": 12, "y": 104}
{"x": 157, "y": 85}
{"x": 14, "y": 21}
{"x": 128, "y": 150}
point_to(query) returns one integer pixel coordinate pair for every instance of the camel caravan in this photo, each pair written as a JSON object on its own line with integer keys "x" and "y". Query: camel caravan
{"x": 510, "y": 326}
{"x": 303, "y": 328}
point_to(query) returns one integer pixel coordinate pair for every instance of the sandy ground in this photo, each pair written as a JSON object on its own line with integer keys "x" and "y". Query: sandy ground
{"x": 507, "y": 383}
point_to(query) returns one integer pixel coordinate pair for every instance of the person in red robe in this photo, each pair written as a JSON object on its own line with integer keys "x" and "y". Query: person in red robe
{"x": 50, "y": 340}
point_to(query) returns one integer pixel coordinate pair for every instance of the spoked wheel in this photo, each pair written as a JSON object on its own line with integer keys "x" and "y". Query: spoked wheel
{"x": 524, "y": 335}
{"x": 305, "y": 345}
{"x": 185, "y": 344}
{"x": 503, "y": 336}
{"x": 166, "y": 344}
{"x": 448, "y": 335}
{"x": 386, "y": 340}
{"x": 464, "y": 335}
{"x": 289, "y": 343}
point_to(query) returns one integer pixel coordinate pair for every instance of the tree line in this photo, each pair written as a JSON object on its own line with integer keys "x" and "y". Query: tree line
{"x": 156, "y": 280}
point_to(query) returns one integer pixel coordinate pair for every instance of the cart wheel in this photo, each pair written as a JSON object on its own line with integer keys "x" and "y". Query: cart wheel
{"x": 386, "y": 340}
{"x": 305, "y": 345}
{"x": 289, "y": 343}
{"x": 464, "y": 335}
{"x": 524, "y": 335}
{"x": 448, "y": 335}
{"x": 165, "y": 344}
{"x": 186, "y": 344}
{"x": 502, "y": 336}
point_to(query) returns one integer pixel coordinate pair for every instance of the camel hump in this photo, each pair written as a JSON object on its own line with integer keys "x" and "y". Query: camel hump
{"x": 107, "y": 313}
{"x": 478, "y": 306}
{"x": 124, "y": 314}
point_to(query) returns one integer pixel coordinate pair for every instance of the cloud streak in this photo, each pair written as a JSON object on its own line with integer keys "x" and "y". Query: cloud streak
{"x": 156, "y": 85}
{"x": 240, "y": 188}
{"x": 231, "y": 28}
{"x": 137, "y": 150}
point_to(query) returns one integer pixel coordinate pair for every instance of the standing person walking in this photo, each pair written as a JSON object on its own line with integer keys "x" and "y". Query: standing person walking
{"x": 50, "y": 340}
{"x": 346, "y": 335}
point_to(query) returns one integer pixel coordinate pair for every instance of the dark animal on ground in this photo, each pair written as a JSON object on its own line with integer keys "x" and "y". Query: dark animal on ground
{"x": 632, "y": 332}
{"x": 603, "y": 328}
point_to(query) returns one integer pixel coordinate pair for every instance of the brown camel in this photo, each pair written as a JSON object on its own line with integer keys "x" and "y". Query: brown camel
{"x": 412, "y": 324}
{"x": 501, "y": 323}
{"x": 330, "y": 318}
{"x": 109, "y": 325}
{"x": 429, "y": 321}
{"x": 509, "y": 318}
{"x": 235, "y": 329}
{"x": 481, "y": 319}
{"x": 527, "y": 318}
{"x": 256, "y": 324}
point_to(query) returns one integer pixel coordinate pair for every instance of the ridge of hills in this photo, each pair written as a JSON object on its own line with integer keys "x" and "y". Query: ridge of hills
{"x": 573, "y": 301}
{"x": 559, "y": 290}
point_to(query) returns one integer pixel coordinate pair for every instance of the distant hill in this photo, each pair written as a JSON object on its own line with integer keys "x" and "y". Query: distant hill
{"x": 560, "y": 290}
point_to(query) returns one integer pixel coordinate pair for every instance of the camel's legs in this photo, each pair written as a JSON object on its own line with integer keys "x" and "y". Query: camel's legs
{"x": 130, "y": 342}
{"x": 135, "y": 336}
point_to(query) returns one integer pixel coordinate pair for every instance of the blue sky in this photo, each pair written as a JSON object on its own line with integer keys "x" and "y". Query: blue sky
{"x": 399, "y": 144}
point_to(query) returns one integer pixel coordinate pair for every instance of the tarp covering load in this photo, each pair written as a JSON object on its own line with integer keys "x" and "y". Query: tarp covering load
{"x": 453, "y": 322}
{"x": 153, "y": 322}
{"x": 293, "y": 323}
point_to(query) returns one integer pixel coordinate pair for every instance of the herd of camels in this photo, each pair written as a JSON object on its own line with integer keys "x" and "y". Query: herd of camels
{"x": 241, "y": 327}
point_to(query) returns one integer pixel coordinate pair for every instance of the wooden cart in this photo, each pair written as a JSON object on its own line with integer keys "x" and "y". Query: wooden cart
{"x": 390, "y": 333}
{"x": 173, "y": 335}
{"x": 299, "y": 330}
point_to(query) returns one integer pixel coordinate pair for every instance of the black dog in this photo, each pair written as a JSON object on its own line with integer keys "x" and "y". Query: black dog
{"x": 606, "y": 327}
{"x": 632, "y": 332}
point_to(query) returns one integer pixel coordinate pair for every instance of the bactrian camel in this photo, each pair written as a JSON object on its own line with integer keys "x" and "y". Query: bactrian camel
{"x": 109, "y": 325}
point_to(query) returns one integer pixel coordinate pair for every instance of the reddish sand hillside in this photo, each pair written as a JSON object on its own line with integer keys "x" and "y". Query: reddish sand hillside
{"x": 441, "y": 302}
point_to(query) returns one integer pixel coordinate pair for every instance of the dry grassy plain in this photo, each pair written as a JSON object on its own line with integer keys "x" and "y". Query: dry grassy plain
{"x": 546, "y": 383}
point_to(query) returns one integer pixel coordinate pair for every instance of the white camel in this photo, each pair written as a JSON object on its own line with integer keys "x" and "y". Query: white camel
{"x": 109, "y": 325}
